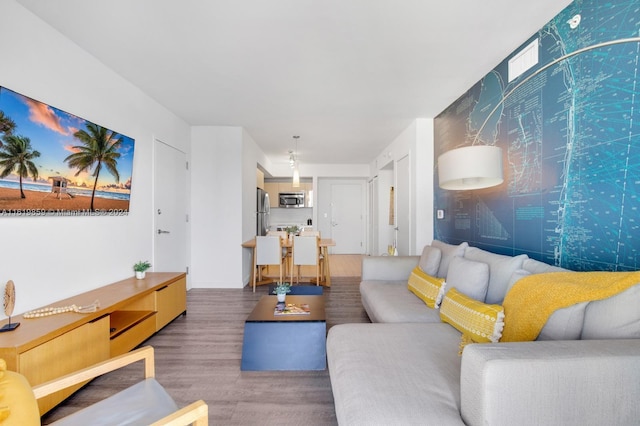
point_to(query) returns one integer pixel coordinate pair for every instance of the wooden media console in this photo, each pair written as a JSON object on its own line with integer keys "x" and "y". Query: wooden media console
{"x": 130, "y": 312}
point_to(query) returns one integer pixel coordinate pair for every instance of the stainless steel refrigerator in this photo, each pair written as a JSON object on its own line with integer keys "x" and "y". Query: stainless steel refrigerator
{"x": 264, "y": 210}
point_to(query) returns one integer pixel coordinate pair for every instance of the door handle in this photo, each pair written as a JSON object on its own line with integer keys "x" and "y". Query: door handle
{"x": 160, "y": 231}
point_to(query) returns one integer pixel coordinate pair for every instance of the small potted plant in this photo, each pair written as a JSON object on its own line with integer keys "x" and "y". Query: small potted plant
{"x": 292, "y": 230}
{"x": 141, "y": 269}
{"x": 281, "y": 290}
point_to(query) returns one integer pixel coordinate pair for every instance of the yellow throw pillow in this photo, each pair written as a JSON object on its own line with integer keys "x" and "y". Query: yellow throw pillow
{"x": 429, "y": 289}
{"x": 477, "y": 321}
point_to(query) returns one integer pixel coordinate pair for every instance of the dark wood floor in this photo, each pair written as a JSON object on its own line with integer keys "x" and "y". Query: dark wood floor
{"x": 198, "y": 357}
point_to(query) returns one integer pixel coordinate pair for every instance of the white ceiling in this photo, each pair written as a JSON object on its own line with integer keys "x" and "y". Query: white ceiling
{"x": 346, "y": 75}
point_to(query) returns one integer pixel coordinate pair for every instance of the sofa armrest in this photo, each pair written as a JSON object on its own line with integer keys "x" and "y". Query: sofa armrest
{"x": 553, "y": 382}
{"x": 388, "y": 268}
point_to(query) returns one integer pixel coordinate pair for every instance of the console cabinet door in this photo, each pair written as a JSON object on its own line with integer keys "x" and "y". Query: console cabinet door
{"x": 171, "y": 301}
{"x": 72, "y": 351}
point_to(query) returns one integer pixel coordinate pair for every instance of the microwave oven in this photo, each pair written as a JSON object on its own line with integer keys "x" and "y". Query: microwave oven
{"x": 291, "y": 199}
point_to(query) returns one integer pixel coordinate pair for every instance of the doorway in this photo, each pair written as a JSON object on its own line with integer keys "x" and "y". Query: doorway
{"x": 341, "y": 213}
{"x": 170, "y": 209}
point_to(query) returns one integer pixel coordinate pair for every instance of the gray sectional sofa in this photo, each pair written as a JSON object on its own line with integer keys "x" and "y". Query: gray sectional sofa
{"x": 405, "y": 367}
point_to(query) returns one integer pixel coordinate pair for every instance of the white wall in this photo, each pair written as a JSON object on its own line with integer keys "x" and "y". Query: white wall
{"x": 416, "y": 141}
{"x": 252, "y": 156}
{"x": 216, "y": 203}
{"x": 51, "y": 258}
{"x": 424, "y": 166}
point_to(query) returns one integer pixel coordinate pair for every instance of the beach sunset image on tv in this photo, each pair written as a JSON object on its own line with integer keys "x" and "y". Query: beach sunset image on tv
{"x": 55, "y": 163}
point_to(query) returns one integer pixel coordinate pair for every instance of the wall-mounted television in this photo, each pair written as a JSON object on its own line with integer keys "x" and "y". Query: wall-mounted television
{"x": 53, "y": 163}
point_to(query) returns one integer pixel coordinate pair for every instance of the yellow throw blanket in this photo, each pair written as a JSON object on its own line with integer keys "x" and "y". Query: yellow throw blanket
{"x": 532, "y": 300}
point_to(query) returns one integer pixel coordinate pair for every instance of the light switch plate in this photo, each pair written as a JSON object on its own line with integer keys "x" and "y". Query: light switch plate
{"x": 440, "y": 214}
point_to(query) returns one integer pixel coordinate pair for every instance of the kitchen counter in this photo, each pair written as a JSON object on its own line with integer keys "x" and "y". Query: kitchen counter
{"x": 284, "y": 226}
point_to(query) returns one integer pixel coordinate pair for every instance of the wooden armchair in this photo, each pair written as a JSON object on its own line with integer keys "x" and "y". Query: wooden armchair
{"x": 146, "y": 402}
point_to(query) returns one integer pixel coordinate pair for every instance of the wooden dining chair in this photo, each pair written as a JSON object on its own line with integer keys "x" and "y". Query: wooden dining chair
{"x": 268, "y": 252}
{"x": 310, "y": 233}
{"x": 320, "y": 254}
{"x": 286, "y": 251}
{"x": 306, "y": 251}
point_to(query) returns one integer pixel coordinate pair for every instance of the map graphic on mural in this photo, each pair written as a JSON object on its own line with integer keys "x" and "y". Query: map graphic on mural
{"x": 569, "y": 128}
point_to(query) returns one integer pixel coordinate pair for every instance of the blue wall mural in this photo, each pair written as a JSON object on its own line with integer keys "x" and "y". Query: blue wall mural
{"x": 569, "y": 128}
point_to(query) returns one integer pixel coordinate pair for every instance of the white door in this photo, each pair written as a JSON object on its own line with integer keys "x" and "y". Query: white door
{"x": 347, "y": 219}
{"x": 403, "y": 208}
{"x": 170, "y": 209}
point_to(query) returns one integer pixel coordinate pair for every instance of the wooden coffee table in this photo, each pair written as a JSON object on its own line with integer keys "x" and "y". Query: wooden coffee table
{"x": 285, "y": 342}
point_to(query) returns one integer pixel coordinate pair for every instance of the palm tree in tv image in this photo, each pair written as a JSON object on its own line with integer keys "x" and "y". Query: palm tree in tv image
{"x": 16, "y": 154}
{"x": 7, "y": 125}
{"x": 100, "y": 148}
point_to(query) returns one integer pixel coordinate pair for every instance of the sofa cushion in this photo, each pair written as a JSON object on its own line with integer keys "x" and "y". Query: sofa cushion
{"x": 395, "y": 374}
{"x": 428, "y": 289}
{"x": 430, "y": 260}
{"x": 515, "y": 277}
{"x": 617, "y": 317}
{"x": 564, "y": 324}
{"x": 448, "y": 252}
{"x": 476, "y": 320}
{"x": 500, "y": 269}
{"x": 533, "y": 299}
{"x": 537, "y": 267}
{"x": 390, "y": 301}
{"x": 469, "y": 277}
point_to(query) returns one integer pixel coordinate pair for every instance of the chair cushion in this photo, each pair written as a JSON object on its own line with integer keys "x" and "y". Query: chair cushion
{"x": 268, "y": 250}
{"x": 18, "y": 405}
{"x": 141, "y": 404}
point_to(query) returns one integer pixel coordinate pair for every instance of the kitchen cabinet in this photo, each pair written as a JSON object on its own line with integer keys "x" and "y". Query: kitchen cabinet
{"x": 307, "y": 187}
{"x": 259, "y": 179}
{"x": 287, "y": 187}
{"x": 273, "y": 189}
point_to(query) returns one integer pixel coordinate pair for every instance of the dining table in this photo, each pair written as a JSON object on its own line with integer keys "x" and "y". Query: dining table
{"x": 323, "y": 244}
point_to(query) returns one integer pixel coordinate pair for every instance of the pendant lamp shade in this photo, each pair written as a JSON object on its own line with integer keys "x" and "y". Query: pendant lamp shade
{"x": 296, "y": 177}
{"x": 293, "y": 161}
{"x": 470, "y": 167}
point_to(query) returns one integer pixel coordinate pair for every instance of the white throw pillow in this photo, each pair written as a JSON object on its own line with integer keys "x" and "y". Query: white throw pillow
{"x": 469, "y": 277}
{"x": 564, "y": 324}
{"x": 515, "y": 277}
{"x": 617, "y": 317}
{"x": 430, "y": 260}
{"x": 448, "y": 252}
{"x": 500, "y": 269}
